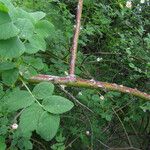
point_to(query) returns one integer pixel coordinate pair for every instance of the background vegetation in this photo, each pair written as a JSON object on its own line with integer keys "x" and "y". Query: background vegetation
{"x": 114, "y": 46}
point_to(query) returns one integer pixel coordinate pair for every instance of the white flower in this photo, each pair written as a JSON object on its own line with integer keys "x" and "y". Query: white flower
{"x": 129, "y": 4}
{"x": 80, "y": 93}
{"x": 14, "y": 126}
{"x": 142, "y": 1}
{"x": 87, "y": 132}
{"x": 102, "y": 97}
{"x": 99, "y": 59}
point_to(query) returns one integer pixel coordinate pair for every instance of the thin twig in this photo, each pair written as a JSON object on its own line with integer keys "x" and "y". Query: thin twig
{"x": 75, "y": 39}
{"x": 75, "y": 100}
{"x": 39, "y": 143}
{"x": 130, "y": 143}
{"x": 126, "y": 148}
{"x": 103, "y": 144}
{"x": 31, "y": 93}
{"x": 18, "y": 114}
{"x": 92, "y": 134}
{"x": 70, "y": 144}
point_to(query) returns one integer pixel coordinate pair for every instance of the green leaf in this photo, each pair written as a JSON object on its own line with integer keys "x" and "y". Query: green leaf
{"x": 6, "y": 66}
{"x": 3, "y": 129}
{"x": 34, "y": 62}
{"x": 2, "y": 143}
{"x": 9, "y": 77}
{"x": 24, "y": 143}
{"x": 18, "y": 99}
{"x": 145, "y": 106}
{"x": 57, "y": 104}
{"x": 113, "y": 94}
{"x": 38, "y": 64}
{"x": 48, "y": 126}
{"x": 8, "y": 30}
{"x": 43, "y": 90}
{"x": 38, "y": 15}
{"x": 106, "y": 116}
{"x": 44, "y": 28}
{"x": 3, "y": 8}
{"x": 36, "y": 43}
{"x": 132, "y": 65}
{"x": 58, "y": 146}
{"x": 26, "y": 28}
{"x": 29, "y": 118}
{"x": 4, "y": 18}
{"x": 11, "y": 48}
{"x": 20, "y": 13}
{"x": 18, "y": 133}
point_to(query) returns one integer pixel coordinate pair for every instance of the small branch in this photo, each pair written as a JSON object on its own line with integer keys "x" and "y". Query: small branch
{"x": 31, "y": 93}
{"x": 75, "y": 100}
{"x": 126, "y": 148}
{"x": 78, "y": 82}
{"x": 70, "y": 144}
{"x": 130, "y": 143}
{"x": 39, "y": 143}
{"x": 75, "y": 39}
{"x": 103, "y": 144}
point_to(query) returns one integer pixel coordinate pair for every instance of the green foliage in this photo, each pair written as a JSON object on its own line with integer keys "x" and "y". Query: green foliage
{"x": 24, "y": 33}
{"x": 114, "y": 46}
{"x": 2, "y": 143}
{"x": 33, "y": 115}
